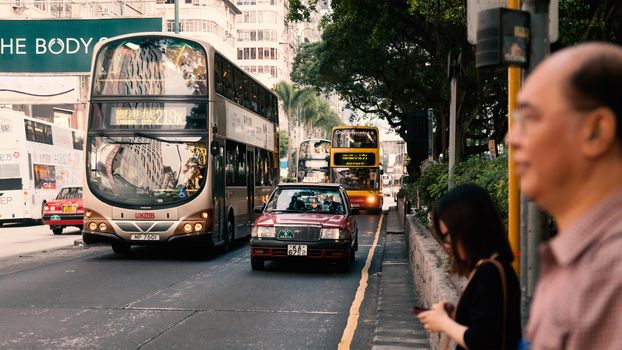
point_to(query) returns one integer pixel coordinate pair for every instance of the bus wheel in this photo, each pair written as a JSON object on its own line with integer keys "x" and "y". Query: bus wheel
{"x": 257, "y": 263}
{"x": 228, "y": 238}
{"x": 57, "y": 230}
{"x": 120, "y": 248}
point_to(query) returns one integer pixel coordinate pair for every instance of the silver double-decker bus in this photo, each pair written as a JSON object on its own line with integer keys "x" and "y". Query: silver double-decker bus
{"x": 181, "y": 144}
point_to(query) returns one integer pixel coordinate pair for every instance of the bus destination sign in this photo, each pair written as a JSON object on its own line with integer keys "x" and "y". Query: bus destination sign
{"x": 148, "y": 116}
{"x": 354, "y": 159}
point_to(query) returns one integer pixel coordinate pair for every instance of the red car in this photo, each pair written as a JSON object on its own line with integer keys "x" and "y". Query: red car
{"x": 66, "y": 210}
{"x": 305, "y": 220}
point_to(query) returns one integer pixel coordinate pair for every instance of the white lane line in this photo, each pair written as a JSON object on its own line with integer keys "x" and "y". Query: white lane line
{"x": 353, "y": 318}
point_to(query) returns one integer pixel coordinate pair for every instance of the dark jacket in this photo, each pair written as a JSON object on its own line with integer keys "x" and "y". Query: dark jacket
{"x": 481, "y": 309}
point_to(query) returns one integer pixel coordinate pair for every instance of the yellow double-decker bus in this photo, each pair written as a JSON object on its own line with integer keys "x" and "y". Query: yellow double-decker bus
{"x": 355, "y": 164}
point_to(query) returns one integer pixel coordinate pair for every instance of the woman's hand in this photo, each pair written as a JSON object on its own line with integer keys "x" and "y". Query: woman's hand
{"x": 436, "y": 319}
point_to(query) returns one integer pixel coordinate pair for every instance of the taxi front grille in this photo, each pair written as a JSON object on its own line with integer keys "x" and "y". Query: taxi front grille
{"x": 298, "y": 233}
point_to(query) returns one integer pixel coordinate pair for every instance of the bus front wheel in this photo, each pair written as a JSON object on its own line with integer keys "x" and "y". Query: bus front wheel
{"x": 228, "y": 237}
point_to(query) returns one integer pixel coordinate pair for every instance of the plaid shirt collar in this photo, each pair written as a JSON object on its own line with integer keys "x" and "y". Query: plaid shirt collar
{"x": 568, "y": 245}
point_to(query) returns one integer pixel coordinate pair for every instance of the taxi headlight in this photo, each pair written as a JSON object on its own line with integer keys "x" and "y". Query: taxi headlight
{"x": 371, "y": 199}
{"x": 263, "y": 231}
{"x": 331, "y": 233}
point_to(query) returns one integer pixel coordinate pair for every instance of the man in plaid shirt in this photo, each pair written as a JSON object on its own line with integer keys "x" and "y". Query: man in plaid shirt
{"x": 566, "y": 142}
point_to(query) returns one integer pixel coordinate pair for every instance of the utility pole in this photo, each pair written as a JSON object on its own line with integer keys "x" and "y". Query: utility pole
{"x": 532, "y": 218}
{"x": 176, "y": 16}
{"x": 454, "y": 70}
{"x": 430, "y": 134}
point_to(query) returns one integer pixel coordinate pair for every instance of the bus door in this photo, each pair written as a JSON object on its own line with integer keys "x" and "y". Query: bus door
{"x": 218, "y": 187}
{"x": 250, "y": 183}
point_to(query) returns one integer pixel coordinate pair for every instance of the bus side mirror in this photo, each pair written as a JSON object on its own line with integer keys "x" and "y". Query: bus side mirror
{"x": 214, "y": 148}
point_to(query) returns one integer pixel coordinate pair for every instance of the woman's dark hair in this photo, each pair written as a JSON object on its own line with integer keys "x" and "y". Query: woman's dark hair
{"x": 474, "y": 222}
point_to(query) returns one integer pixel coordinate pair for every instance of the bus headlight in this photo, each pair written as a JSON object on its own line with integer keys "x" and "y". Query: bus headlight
{"x": 103, "y": 227}
{"x": 204, "y": 215}
{"x": 88, "y": 214}
{"x": 263, "y": 231}
{"x": 92, "y": 226}
{"x": 198, "y": 226}
{"x": 331, "y": 233}
{"x": 188, "y": 228}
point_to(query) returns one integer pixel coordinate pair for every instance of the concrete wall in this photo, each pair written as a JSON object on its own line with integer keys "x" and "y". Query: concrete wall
{"x": 429, "y": 264}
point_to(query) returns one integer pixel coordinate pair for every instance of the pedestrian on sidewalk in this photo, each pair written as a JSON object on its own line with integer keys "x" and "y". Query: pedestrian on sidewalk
{"x": 488, "y": 313}
{"x": 566, "y": 142}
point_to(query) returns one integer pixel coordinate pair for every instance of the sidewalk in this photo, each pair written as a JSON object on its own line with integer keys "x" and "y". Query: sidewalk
{"x": 397, "y": 327}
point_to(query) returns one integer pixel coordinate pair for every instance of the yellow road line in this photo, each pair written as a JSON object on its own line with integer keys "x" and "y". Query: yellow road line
{"x": 353, "y": 318}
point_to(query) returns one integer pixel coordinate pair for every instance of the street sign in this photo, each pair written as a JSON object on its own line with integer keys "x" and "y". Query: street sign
{"x": 61, "y": 46}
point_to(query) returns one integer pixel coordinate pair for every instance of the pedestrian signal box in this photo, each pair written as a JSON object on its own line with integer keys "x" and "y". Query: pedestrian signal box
{"x": 502, "y": 38}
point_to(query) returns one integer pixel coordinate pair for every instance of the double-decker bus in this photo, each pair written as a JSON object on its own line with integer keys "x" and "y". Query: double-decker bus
{"x": 355, "y": 164}
{"x": 37, "y": 159}
{"x": 181, "y": 144}
{"x": 313, "y": 161}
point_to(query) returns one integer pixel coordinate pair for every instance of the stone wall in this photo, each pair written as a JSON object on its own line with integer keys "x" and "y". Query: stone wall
{"x": 429, "y": 264}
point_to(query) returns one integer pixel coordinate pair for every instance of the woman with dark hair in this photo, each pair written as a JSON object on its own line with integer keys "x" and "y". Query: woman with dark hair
{"x": 488, "y": 312}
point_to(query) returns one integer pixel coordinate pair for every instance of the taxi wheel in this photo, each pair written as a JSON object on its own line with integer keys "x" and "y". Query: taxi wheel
{"x": 57, "y": 230}
{"x": 257, "y": 263}
{"x": 120, "y": 248}
{"x": 346, "y": 263}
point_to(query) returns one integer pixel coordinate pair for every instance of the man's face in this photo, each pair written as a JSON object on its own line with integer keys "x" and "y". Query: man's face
{"x": 543, "y": 134}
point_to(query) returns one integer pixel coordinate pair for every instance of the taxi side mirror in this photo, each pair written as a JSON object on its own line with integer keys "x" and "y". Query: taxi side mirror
{"x": 354, "y": 211}
{"x": 258, "y": 209}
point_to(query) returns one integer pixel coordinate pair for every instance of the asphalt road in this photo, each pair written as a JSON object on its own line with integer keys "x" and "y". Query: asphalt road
{"x": 158, "y": 298}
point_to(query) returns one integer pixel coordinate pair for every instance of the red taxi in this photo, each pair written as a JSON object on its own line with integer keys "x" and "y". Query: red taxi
{"x": 304, "y": 220}
{"x": 66, "y": 210}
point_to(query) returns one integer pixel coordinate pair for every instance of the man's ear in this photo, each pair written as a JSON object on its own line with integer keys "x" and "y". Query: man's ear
{"x": 598, "y": 134}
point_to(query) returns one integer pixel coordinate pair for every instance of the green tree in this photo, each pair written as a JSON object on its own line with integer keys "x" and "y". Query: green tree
{"x": 283, "y": 144}
{"x": 291, "y": 97}
{"x": 389, "y": 58}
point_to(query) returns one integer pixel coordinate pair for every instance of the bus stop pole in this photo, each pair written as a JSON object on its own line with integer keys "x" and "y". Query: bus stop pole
{"x": 514, "y": 76}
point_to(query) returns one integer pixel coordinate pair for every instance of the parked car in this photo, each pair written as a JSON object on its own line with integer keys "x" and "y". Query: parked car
{"x": 305, "y": 220}
{"x": 66, "y": 210}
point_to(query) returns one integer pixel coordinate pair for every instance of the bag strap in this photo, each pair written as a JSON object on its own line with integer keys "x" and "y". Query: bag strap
{"x": 505, "y": 297}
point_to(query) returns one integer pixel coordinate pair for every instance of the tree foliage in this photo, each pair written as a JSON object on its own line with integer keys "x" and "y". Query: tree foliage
{"x": 389, "y": 58}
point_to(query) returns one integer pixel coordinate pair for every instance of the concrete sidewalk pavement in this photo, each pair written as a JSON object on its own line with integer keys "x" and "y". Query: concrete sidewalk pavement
{"x": 397, "y": 327}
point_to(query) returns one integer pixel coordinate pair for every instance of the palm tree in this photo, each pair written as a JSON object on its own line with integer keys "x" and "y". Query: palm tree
{"x": 291, "y": 97}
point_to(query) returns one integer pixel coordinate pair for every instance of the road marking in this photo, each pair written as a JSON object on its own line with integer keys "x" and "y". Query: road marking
{"x": 353, "y": 318}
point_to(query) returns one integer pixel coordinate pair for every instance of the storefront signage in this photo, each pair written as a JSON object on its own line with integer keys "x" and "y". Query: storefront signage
{"x": 61, "y": 46}
{"x": 354, "y": 159}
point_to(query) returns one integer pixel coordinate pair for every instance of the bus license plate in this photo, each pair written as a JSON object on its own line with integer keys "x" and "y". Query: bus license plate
{"x": 297, "y": 249}
{"x": 144, "y": 237}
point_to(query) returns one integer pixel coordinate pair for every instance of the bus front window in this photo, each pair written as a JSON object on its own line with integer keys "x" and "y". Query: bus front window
{"x": 357, "y": 178}
{"x": 146, "y": 171}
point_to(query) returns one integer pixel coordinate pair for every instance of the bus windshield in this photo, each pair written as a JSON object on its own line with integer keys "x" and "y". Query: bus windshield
{"x": 355, "y": 138}
{"x": 357, "y": 178}
{"x": 168, "y": 66}
{"x": 146, "y": 171}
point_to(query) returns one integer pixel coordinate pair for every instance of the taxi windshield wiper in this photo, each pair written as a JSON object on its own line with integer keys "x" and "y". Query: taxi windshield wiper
{"x": 286, "y": 211}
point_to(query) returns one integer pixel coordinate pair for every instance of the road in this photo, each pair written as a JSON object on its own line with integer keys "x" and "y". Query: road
{"x": 157, "y": 298}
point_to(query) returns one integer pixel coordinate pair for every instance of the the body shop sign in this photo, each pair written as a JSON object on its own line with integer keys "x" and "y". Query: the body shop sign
{"x": 61, "y": 46}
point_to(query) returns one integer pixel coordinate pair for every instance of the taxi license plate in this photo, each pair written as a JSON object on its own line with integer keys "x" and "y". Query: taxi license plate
{"x": 69, "y": 209}
{"x": 297, "y": 249}
{"x": 144, "y": 237}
